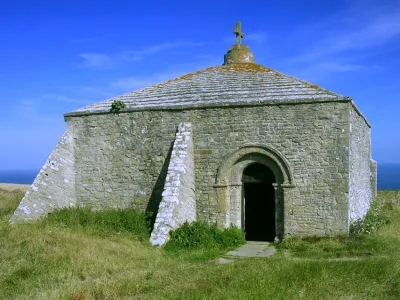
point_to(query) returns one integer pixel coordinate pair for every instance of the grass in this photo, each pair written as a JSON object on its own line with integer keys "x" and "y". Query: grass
{"x": 103, "y": 223}
{"x": 199, "y": 241}
{"x": 62, "y": 256}
{"x": 9, "y": 201}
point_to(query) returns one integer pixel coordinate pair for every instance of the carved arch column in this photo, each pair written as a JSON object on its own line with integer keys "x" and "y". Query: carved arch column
{"x": 228, "y": 184}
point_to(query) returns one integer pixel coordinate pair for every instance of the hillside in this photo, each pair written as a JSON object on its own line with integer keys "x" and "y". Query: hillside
{"x": 50, "y": 260}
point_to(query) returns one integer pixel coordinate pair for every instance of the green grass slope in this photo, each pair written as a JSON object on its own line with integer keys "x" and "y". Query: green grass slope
{"x": 78, "y": 254}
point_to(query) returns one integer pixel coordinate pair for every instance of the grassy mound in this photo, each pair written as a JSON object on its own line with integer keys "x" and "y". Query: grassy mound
{"x": 75, "y": 251}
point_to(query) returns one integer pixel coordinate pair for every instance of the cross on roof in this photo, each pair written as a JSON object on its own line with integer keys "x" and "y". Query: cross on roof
{"x": 238, "y": 32}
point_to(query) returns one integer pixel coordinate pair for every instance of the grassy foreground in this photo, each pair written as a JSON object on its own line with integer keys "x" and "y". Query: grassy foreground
{"x": 53, "y": 259}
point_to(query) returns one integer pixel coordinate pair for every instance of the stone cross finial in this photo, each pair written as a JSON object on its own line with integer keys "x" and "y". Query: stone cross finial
{"x": 238, "y": 31}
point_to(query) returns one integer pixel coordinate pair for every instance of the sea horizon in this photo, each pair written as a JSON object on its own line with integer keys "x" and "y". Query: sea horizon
{"x": 388, "y": 176}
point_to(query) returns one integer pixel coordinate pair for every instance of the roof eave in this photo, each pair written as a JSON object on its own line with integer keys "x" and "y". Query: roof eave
{"x": 213, "y": 105}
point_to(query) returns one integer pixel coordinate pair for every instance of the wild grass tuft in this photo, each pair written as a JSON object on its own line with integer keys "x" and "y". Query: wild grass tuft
{"x": 115, "y": 221}
{"x": 377, "y": 216}
{"x": 200, "y": 234}
{"x": 202, "y": 240}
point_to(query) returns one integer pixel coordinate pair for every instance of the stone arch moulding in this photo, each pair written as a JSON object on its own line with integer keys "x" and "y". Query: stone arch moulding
{"x": 228, "y": 184}
{"x": 266, "y": 155}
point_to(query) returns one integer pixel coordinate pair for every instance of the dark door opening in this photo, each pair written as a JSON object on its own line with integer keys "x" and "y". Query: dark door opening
{"x": 259, "y": 203}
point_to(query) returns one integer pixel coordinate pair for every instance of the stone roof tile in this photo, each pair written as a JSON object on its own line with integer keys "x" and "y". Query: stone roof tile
{"x": 224, "y": 85}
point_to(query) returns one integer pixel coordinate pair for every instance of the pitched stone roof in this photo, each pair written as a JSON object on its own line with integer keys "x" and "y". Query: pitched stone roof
{"x": 238, "y": 83}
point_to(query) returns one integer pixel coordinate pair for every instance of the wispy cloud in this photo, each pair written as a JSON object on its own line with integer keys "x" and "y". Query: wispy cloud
{"x": 137, "y": 55}
{"x": 30, "y": 110}
{"x": 96, "y": 60}
{"x": 63, "y": 98}
{"x": 90, "y": 92}
{"x": 337, "y": 67}
{"x": 343, "y": 43}
{"x": 131, "y": 83}
{"x": 104, "y": 61}
{"x": 46, "y": 110}
{"x": 134, "y": 83}
{"x": 376, "y": 33}
{"x": 322, "y": 69}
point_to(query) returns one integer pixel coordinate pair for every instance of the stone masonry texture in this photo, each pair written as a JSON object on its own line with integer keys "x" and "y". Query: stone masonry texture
{"x": 54, "y": 186}
{"x": 361, "y": 190}
{"x": 119, "y": 157}
{"x": 178, "y": 204}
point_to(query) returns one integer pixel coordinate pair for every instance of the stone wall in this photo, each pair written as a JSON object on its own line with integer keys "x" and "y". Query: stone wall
{"x": 178, "y": 203}
{"x": 312, "y": 137}
{"x": 360, "y": 177}
{"x": 122, "y": 159}
{"x": 53, "y": 187}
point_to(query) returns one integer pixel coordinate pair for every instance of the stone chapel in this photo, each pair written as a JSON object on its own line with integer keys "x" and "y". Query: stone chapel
{"x": 239, "y": 144}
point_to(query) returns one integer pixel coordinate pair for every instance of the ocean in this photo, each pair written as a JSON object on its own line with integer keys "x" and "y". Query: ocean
{"x": 388, "y": 176}
{"x": 18, "y": 176}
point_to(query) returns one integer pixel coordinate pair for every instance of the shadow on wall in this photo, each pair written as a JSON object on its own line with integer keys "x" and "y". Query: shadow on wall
{"x": 156, "y": 194}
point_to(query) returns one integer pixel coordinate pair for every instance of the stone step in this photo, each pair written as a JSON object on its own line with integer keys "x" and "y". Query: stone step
{"x": 250, "y": 249}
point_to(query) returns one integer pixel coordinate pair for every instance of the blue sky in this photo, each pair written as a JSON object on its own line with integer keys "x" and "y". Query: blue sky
{"x": 57, "y": 56}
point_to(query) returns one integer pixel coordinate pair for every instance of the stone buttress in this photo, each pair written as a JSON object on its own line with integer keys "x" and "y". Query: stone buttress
{"x": 54, "y": 186}
{"x": 178, "y": 203}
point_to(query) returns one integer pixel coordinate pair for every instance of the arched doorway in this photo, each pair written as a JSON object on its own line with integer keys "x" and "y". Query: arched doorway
{"x": 230, "y": 189}
{"x": 258, "y": 203}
